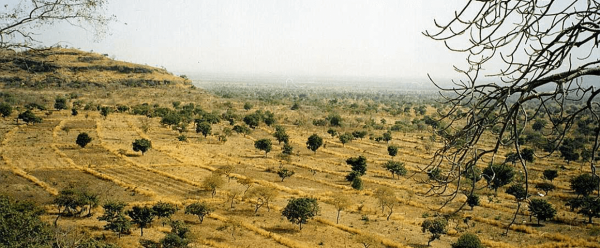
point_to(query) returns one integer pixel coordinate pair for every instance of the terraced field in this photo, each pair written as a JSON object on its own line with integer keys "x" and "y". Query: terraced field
{"x": 40, "y": 160}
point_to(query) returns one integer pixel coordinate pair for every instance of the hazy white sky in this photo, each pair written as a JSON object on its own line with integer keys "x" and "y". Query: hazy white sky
{"x": 315, "y": 38}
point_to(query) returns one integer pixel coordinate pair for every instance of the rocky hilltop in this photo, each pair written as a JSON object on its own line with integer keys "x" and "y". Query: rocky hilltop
{"x": 72, "y": 68}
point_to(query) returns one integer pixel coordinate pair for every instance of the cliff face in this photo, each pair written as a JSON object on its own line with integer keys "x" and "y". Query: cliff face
{"x": 71, "y": 68}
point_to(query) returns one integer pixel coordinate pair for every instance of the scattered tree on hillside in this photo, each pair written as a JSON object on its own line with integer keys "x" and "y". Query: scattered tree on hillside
{"x": 263, "y": 145}
{"x": 546, "y": 187}
{"x": 142, "y": 145}
{"x": 517, "y": 191}
{"x": 387, "y": 136}
{"x": 142, "y": 216}
{"x": 114, "y": 215}
{"x": 472, "y": 201}
{"x": 5, "y": 109}
{"x": 357, "y": 183}
{"x": 284, "y": 173}
{"x": 83, "y": 139}
{"x": 341, "y": 202}
{"x": 550, "y": 174}
{"x": 300, "y": 210}
{"x": 541, "y": 209}
{"x": 359, "y": 134}
{"x": 280, "y": 135}
{"x": 226, "y": 170}
{"x": 29, "y": 117}
{"x": 212, "y": 183}
{"x": 204, "y": 127}
{"x": 248, "y": 106}
{"x": 584, "y": 184}
{"x": 252, "y": 120}
{"x": 386, "y": 197}
{"x": 164, "y": 210}
{"x": 314, "y": 142}
{"x": 345, "y": 138}
{"x": 262, "y": 196}
{"x": 241, "y": 130}
{"x": 332, "y": 132}
{"x": 105, "y": 111}
{"x": 60, "y": 103}
{"x": 436, "y": 227}
{"x": 287, "y": 149}
{"x": 367, "y": 240}
{"x": 468, "y": 240}
{"x": 396, "y": 168}
{"x": 199, "y": 209}
{"x": 359, "y": 167}
{"x": 498, "y": 175}
{"x": 392, "y": 151}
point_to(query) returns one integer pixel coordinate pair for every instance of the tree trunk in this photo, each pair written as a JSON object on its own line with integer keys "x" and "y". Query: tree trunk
{"x": 337, "y": 221}
{"x": 141, "y": 232}
{"x": 201, "y": 217}
{"x": 300, "y": 225}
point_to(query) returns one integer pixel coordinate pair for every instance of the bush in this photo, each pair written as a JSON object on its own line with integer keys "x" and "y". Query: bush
{"x": 468, "y": 240}
{"x": 83, "y": 139}
{"x": 142, "y": 145}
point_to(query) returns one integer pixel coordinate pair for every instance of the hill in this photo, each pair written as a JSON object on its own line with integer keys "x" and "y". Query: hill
{"x": 72, "y": 68}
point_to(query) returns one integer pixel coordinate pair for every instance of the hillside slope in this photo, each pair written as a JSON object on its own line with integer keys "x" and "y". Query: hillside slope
{"x": 71, "y": 68}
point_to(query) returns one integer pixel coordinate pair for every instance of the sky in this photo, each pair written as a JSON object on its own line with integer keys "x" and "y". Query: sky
{"x": 380, "y": 39}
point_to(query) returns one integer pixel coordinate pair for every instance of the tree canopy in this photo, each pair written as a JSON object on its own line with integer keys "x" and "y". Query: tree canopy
{"x": 545, "y": 50}
{"x": 20, "y": 20}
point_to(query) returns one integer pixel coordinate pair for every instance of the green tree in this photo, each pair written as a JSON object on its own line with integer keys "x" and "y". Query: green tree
{"x": 550, "y": 174}
{"x": 164, "y": 210}
{"x": 269, "y": 118}
{"x": 436, "y": 227}
{"x": 472, "y": 201}
{"x": 539, "y": 124}
{"x": 141, "y": 145}
{"x": 284, "y": 173}
{"x": 263, "y": 145}
{"x": 584, "y": 184}
{"x": 29, "y": 117}
{"x": 357, "y": 183}
{"x": 142, "y": 216}
{"x": 314, "y": 142}
{"x": 171, "y": 119}
{"x": 359, "y": 134}
{"x": 204, "y": 128}
{"x": 281, "y": 135}
{"x": 358, "y": 164}
{"x": 545, "y": 186}
{"x": 241, "y": 130}
{"x": 104, "y": 111}
{"x": 248, "y": 106}
{"x": 199, "y": 209}
{"x": 5, "y": 109}
{"x": 541, "y": 209}
{"x": 498, "y": 175}
{"x": 468, "y": 240}
{"x": 332, "y": 132}
{"x": 60, "y": 103}
{"x": 335, "y": 120}
{"x": 114, "y": 215}
{"x": 83, "y": 139}
{"x": 252, "y": 120}
{"x": 396, "y": 168}
{"x": 21, "y": 225}
{"x": 590, "y": 207}
{"x": 392, "y": 150}
{"x": 345, "y": 138}
{"x": 300, "y": 210}
{"x": 518, "y": 191}
{"x": 387, "y": 136}
{"x": 287, "y": 149}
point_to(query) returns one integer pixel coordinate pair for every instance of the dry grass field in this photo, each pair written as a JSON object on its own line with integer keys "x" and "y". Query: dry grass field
{"x": 38, "y": 160}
